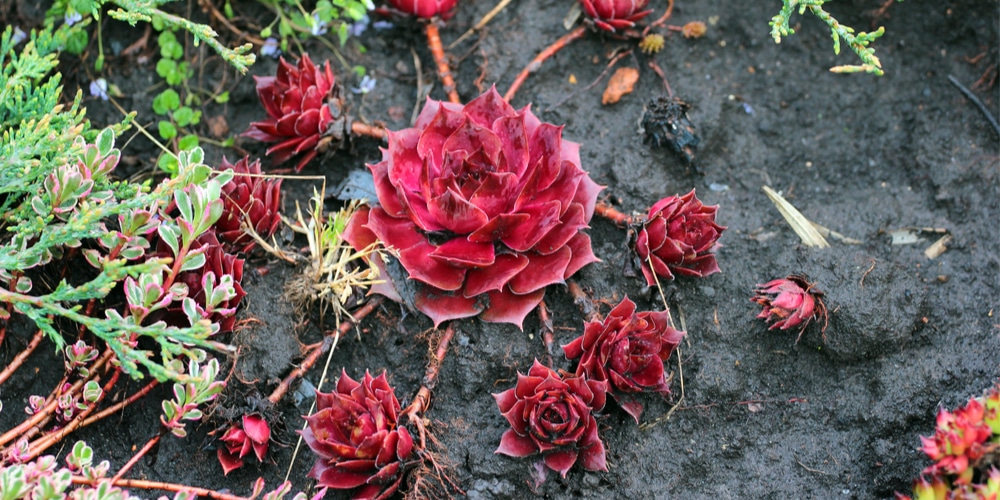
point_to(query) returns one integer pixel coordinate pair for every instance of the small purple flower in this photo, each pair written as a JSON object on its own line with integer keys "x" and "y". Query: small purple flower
{"x": 367, "y": 85}
{"x": 72, "y": 17}
{"x": 18, "y": 36}
{"x": 359, "y": 27}
{"x": 383, "y": 25}
{"x": 317, "y": 27}
{"x": 270, "y": 48}
{"x": 99, "y": 88}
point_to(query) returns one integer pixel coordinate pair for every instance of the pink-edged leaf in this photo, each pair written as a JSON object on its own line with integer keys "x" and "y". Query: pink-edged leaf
{"x": 514, "y": 445}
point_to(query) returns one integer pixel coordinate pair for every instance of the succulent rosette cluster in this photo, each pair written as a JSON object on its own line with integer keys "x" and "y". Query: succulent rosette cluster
{"x": 252, "y": 433}
{"x": 484, "y": 205}
{"x": 678, "y": 236}
{"x": 357, "y": 438}
{"x": 612, "y": 15}
{"x": 554, "y": 416}
{"x": 789, "y": 303}
{"x": 425, "y": 9}
{"x": 302, "y": 109}
{"x": 628, "y": 350}
{"x": 251, "y": 199}
{"x": 965, "y": 448}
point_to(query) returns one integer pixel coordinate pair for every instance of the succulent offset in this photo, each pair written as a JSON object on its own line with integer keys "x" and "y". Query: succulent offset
{"x": 252, "y": 433}
{"x": 627, "y": 350}
{"x": 356, "y": 437}
{"x": 678, "y": 236}
{"x": 554, "y": 416}
{"x": 789, "y": 303}
{"x": 248, "y": 199}
{"x": 484, "y": 205}
{"x": 304, "y": 111}
{"x": 613, "y": 15}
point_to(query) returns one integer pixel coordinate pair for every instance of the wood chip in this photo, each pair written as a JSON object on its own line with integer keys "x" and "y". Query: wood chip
{"x": 938, "y": 247}
{"x": 800, "y": 224}
{"x": 621, "y": 83}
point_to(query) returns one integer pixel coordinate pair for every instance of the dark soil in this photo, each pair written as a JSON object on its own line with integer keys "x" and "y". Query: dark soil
{"x": 762, "y": 416}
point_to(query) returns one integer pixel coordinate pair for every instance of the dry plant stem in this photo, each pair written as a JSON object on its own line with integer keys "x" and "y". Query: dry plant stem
{"x": 663, "y": 76}
{"x": 422, "y": 400}
{"x": 662, "y": 19}
{"x": 18, "y": 360}
{"x": 547, "y": 334}
{"x": 582, "y": 301}
{"x": 542, "y": 56}
{"x": 444, "y": 72}
{"x": 138, "y": 456}
{"x": 316, "y": 350}
{"x": 156, "y": 485}
{"x": 209, "y": 6}
{"x": 372, "y": 131}
{"x": 611, "y": 213}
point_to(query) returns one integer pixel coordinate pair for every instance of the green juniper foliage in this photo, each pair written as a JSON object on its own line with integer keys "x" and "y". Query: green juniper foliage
{"x": 858, "y": 43}
{"x": 57, "y": 194}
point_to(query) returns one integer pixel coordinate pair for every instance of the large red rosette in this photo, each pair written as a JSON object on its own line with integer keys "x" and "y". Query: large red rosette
{"x": 357, "y": 439}
{"x": 628, "y": 350}
{"x": 250, "y": 198}
{"x": 611, "y": 15}
{"x": 425, "y": 8}
{"x": 296, "y": 101}
{"x": 679, "y": 236}
{"x": 485, "y": 207}
{"x": 554, "y": 416}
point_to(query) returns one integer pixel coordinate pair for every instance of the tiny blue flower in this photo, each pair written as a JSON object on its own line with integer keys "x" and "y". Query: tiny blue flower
{"x": 99, "y": 88}
{"x": 18, "y": 36}
{"x": 270, "y": 48}
{"x": 318, "y": 26}
{"x": 367, "y": 85}
{"x": 359, "y": 27}
{"x": 72, "y": 17}
{"x": 383, "y": 25}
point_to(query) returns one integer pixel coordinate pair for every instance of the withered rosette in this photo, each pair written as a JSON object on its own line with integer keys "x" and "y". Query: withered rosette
{"x": 612, "y": 15}
{"x": 554, "y": 416}
{"x": 790, "y": 302}
{"x": 303, "y": 108}
{"x": 627, "y": 349}
{"x": 356, "y": 437}
{"x": 250, "y": 198}
{"x": 251, "y": 433}
{"x": 484, "y": 205}
{"x": 679, "y": 236}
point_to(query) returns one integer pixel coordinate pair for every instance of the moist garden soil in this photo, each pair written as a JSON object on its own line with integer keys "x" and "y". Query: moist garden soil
{"x": 762, "y": 416}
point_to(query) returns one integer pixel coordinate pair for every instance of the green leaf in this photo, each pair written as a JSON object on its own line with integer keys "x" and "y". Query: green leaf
{"x": 168, "y": 164}
{"x": 222, "y": 98}
{"x": 183, "y": 116}
{"x": 166, "y": 67}
{"x": 167, "y": 101}
{"x": 167, "y": 130}
{"x": 187, "y": 142}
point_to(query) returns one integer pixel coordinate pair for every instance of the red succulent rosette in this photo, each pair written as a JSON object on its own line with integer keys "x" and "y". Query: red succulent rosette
{"x": 790, "y": 302}
{"x": 628, "y": 350}
{"x": 554, "y": 416}
{"x": 612, "y": 15}
{"x": 252, "y": 433}
{"x": 250, "y": 198}
{"x": 959, "y": 441}
{"x": 357, "y": 439}
{"x": 298, "y": 104}
{"x": 425, "y": 8}
{"x": 484, "y": 206}
{"x": 679, "y": 236}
